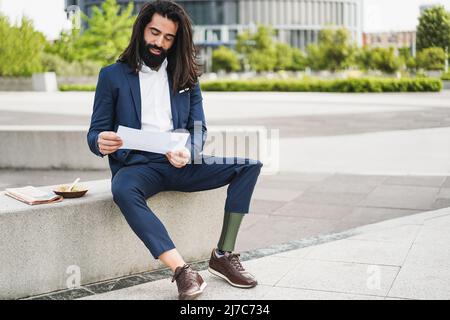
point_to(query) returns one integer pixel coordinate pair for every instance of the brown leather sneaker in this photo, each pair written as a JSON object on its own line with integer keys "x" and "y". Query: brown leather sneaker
{"x": 190, "y": 284}
{"x": 229, "y": 268}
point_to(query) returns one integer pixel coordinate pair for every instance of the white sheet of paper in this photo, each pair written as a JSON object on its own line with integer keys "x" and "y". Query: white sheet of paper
{"x": 158, "y": 142}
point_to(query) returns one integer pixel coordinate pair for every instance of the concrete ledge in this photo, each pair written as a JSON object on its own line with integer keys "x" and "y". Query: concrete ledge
{"x": 65, "y": 147}
{"x": 446, "y": 85}
{"x": 43, "y": 246}
{"x": 16, "y": 84}
{"x": 47, "y": 147}
{"x": 45, "y": 82}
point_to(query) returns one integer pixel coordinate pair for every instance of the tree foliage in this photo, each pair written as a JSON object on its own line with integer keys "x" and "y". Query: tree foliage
{"x": 383, "y": 59}
{"x": 225, "y": 59}
{"x": 21, "y": 48}
{"x": 258, "y": 49}
{"x": 333, "y": 51}
{"x": 434, "y": 28}
{"x": 299, "y": 60}
{"x": 108, "y": 33}
{"x": 431, "y": 59}
{"x": 66, "y": 46}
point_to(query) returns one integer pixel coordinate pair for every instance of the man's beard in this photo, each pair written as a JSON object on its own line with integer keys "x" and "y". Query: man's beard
{"x": 152, "y": 60}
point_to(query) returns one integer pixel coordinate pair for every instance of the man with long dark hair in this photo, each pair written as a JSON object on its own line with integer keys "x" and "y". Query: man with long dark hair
{"x": 154, "y": 87}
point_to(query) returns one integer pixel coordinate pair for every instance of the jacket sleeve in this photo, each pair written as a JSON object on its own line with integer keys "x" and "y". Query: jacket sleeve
{"x": 102, "y": 118}
{"x": 196, "y": 123}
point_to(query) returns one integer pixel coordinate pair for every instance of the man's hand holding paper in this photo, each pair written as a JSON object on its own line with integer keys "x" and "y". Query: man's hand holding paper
{"x": 179, "y": 158}
{"x": 108, "y": 142}
{"x": 171, "y": 144}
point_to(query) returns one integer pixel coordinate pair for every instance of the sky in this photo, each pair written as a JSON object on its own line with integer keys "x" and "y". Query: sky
{"x": 379, "y": 15}
{"x": 48, "y": 15}
{"x": 394, "y": 15}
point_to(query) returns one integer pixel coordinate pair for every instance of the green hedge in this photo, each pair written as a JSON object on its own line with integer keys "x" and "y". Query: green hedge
{"x": 446, "y": 76}
{"x": 341, "y": 85}
{"x": 77, "y": 87}
{"x": 349, "y": 85}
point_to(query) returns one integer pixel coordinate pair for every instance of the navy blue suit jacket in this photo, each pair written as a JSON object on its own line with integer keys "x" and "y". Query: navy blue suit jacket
{"x": 118, "y": 102}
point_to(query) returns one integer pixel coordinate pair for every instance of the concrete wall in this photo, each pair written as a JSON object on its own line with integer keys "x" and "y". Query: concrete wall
{"x": 43, "y": 82}
{"x": 83, "y": 80}
{"x": 47, "y": 147}
{"x": 42, "y": 244}
{"x": 446, "y": 85}
{"x": 16, "y": 84}
{"x": 65, "y": 147}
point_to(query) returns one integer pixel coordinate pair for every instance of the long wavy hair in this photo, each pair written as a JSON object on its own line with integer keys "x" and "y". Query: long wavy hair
{"x": 182, "y": 66}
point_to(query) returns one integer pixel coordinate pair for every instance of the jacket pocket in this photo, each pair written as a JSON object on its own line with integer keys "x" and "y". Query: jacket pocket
{"x": 121, "y": 155}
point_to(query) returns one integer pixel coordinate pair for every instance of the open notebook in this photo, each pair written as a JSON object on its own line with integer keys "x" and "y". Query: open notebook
{"x": 32, "y": 195}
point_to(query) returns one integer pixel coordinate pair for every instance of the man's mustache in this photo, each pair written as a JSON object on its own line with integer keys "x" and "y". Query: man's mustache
{"x": 149, "y": 46}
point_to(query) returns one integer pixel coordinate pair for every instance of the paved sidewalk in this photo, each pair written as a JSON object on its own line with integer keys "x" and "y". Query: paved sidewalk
{"x": 293, "y": 206}
{"x": 346, "y": 160}
{"x": 405, "y": 258}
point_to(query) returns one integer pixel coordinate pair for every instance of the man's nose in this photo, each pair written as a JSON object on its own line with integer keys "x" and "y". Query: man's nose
{"x": 159, "y": 41}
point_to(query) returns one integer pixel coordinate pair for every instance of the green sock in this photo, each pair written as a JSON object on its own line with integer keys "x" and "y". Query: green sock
{"x": 231, "y": 223}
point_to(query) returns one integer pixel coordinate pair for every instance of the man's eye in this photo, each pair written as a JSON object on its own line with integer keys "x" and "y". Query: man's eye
{"x": 169, "y": 38}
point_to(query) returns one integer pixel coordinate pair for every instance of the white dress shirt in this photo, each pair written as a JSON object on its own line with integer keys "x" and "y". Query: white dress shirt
{"x": 156, "y": 114}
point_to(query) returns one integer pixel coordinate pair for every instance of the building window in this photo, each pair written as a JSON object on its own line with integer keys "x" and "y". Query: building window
{"x": 231, "y": 12}
{"x": 216, "y": 35}
{"x": 89, "y": 11}
{"x": 392, "y": 38}
{"x": 212, "y": 12}
{"x": 232, "y": 35}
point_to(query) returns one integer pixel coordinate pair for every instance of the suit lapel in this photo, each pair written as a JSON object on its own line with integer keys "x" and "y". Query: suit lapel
{"x": 133, "y": 81}
{"x": 173, "y": 104}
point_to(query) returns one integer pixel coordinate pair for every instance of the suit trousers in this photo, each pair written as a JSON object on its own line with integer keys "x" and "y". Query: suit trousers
{"x": 132, "y": 185}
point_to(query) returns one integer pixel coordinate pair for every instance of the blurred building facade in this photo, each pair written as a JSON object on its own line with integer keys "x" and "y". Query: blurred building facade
{"x": 297, "y": 22}
{"x": 398, "y": 40}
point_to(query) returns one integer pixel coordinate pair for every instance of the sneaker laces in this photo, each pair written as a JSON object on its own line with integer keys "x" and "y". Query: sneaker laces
{"x": 235, "y": 262}
{"x": 190, "y": 274}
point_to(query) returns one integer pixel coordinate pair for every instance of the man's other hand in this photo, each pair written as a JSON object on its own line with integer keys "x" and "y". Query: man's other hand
{"x": 108, "y": 142}
{"x": 179, "y": 158}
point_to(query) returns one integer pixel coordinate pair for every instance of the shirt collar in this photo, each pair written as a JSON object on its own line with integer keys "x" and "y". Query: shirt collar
{"x": 161, "y": 70}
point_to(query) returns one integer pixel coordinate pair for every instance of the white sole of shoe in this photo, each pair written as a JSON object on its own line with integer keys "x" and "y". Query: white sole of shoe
{"x": 218, "y": 274}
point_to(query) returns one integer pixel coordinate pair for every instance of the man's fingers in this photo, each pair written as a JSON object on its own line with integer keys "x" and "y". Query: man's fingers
{"x": 176, "y": 165}
{"x": 109, "y": 135}
{"x": 175, "y": 161}
{"x": 174, "y": 158}
{"x": 179, "y": 160}
{"x": 182, "y": 154}
{"x": 106, "y": 148}
{"x": 110, "y": 142}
